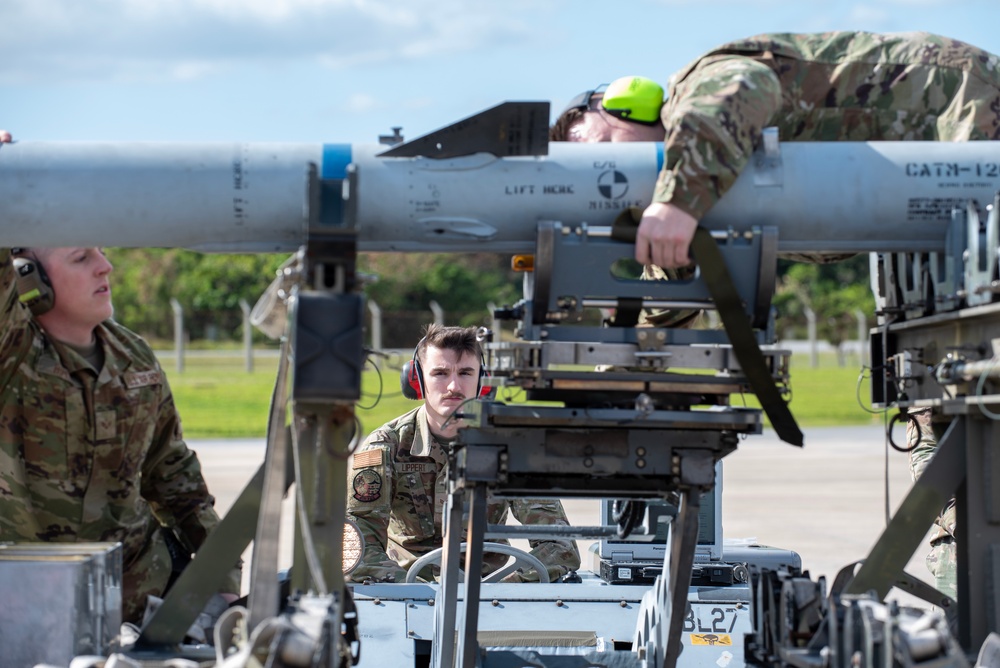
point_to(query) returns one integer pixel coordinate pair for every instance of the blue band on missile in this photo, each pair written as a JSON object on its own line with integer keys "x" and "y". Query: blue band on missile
{"x": 659, "y": 157}
{"x": 336, "y": 158}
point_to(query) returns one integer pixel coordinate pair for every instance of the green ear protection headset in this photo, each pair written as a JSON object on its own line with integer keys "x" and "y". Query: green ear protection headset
{"x": 631, "y": 98}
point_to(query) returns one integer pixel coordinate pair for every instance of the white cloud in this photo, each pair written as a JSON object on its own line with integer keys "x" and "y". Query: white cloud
{"x": 349, "y": 60}
{"x": 416, "y": 103}
{"x": 193, "y": 70}
{"x": 263, "y": 9}
{"x": 360, "y": 103}
{"x": 869, "y": 15}
{"x": 113, "y": 40}
{"x": 708, "y": 3}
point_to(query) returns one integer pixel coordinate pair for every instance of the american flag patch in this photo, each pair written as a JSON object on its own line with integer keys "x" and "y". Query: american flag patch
{"x": 367, "y": 458}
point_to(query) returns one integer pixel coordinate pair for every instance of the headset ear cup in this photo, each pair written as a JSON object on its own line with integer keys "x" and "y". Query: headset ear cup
{"x": 483, "y": 390}
{"x": 34, "y": 288}
{"x": 410, "y": 381}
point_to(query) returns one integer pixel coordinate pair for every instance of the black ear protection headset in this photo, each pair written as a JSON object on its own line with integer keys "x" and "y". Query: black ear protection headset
{"x": 411, "y": 379}
{"x": 34, "y": 289}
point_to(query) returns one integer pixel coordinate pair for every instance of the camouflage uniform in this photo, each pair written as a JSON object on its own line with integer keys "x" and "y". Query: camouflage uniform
{"x": 88, "y": 456}
{"x": 941, "y": 560}
{"x": 838, "y": 86}
{"x": 396, "y": 488}
{"x": 681, "y": 318}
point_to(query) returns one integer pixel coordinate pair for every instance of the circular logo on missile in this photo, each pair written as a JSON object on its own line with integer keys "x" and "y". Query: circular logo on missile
{"x": 612, "y": 184}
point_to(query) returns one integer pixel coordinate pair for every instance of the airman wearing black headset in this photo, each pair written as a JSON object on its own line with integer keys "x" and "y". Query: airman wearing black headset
{"x": 89, "y": 436}
{"x": 397, "y": 483}
{"x": 411, "y": 378}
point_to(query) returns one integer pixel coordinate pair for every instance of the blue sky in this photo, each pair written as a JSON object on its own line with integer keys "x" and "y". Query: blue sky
{"x": 348, "y": 70}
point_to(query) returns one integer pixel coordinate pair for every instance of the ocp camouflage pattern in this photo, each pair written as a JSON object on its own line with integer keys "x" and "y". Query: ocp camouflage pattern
{"x": 95, "y": 457}
{"x": 692, "y": 318}
{"x": 836, "y": 86}
{"x": 403, "y": 519}
{"x": 942, "y": 560}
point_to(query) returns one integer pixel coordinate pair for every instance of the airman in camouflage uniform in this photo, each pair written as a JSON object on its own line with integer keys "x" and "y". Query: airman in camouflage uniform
{"x": 397, "y": 488}
{"x": 93, "y": 451}
{"x": 942, "y": 560}
{"x": 398, "y": 479}
{"x": 840, "y": 86}
{"x": 837, "y": 86}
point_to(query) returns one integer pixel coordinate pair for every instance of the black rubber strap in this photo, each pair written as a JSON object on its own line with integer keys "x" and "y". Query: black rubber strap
{"x": 628, "y": 311}
{"x": 626, "y": 224}
{"x": 734, "y": 317}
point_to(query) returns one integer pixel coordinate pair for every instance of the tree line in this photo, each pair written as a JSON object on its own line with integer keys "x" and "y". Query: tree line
{"x": 210, "y": 287}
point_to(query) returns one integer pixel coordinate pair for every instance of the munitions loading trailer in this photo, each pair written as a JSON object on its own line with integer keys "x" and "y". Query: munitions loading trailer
{"x": 646, "y": 427}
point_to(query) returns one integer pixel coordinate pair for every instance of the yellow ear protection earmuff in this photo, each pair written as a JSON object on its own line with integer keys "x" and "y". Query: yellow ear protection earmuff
{"x": 411, "y": 378}
{"x": 634, "y": 99}
{"x": 631, "y": 98}
{"x": 34, "y": 289}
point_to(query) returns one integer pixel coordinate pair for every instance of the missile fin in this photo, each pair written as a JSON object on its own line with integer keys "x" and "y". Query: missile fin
{"x": 508, "y": 129}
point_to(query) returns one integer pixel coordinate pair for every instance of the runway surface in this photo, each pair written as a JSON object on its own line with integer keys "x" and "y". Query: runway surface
{"x": 827, "y": 500}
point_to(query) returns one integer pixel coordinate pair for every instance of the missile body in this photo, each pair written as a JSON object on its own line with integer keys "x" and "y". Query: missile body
{"x": 822, "y": 197}
{"x": 225, "y": 197}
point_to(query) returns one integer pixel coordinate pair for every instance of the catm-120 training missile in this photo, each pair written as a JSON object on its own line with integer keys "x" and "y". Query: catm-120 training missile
{"x": 822, "y": 197}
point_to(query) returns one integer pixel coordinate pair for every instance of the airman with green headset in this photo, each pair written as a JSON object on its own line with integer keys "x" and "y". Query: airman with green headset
{"x": 836, "y": 86}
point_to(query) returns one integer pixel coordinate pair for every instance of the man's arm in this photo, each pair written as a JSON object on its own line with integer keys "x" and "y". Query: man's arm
{"x": 174, "y": 486}
{"x": 369, "y": 504}
{"x": 15, "y": 334}
{"x": 8, "y": 293}
{"x": 559, "y": 556}
{"x": 11, "y": 314}
{"x": 714, "y": 118}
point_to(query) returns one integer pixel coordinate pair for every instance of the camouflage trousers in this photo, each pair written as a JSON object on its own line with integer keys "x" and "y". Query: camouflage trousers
{"x": 943, "y": 564}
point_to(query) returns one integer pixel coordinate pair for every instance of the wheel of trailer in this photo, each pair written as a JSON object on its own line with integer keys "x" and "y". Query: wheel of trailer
{"x": 521, "y": 559}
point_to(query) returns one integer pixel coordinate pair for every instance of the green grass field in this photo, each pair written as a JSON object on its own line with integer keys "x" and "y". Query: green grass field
{"x": 217, "y": 398}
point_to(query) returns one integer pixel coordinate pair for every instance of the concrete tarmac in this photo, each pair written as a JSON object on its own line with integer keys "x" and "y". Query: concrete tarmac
{"x": 828, "y": 501}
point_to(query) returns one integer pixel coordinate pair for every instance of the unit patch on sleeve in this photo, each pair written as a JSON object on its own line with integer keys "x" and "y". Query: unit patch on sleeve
{"x": 367, "y": 485}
